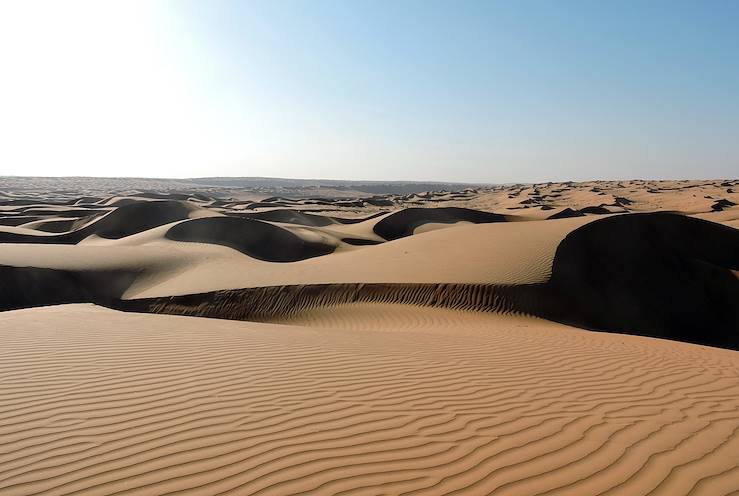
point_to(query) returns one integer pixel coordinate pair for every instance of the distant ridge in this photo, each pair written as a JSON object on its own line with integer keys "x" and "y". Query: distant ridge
{"x": 263, "y": 184}
{"x": 377, "y": 187}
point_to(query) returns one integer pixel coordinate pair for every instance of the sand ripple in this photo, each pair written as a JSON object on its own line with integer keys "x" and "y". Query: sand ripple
{"x": 94, "y": 401}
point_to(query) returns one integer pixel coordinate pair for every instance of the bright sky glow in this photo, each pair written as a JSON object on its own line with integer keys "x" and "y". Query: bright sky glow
{"x": 410, "y": 90}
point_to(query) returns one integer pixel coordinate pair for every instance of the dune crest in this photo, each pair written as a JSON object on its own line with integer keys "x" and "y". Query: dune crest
{"x": 655, "y": 274}
{"x": 255, "y": 238}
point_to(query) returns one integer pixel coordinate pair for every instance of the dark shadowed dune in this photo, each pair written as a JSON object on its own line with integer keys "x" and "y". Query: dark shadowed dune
{"x": 255, "y": 205}
{"x": 53, "y": 225}
{"x": 722, "y": 204}
{"x": 16, "y": 237}
{"x": 595, "y": 209}
{"x": 252, "y": 237}
{"x": 290, "y": 217}
{"x": 404, "y": 222}
{"x": 302, "y": 218}
{"x": 379, "y": 202}
{"x": 71, "y": 212}
{"x": 315, "y": 201}
{"x": 659, "y": 274}
{"x": 124, "y": 221}
{"x": 24, "y": 287}
{"x": 138, "y": 217}
{"x": 17, "y": 202}
{"x": 170, "y": 195}
{"x": 17, "y": 220}
{"x": 86, "y": 200}
{"x": 119, "y": 202}
{"x": 656, "y": 274}
{"x": 280, "y": 199}
{"x": 347, "y": 220}
{"x": 349, "y": 204}
{"x": 566, "y": 213}
{"x": 361, "y": 241}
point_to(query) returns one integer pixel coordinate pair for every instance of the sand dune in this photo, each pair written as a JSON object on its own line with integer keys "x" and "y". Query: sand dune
{"x": 405, "y": 222}
{"x": 465, "y": 254}
{"x": 257, "y": 239}
{"x": 100, "y": 402}
{"x": 661, "y": 275}
{"x": 434, "y": 342}
{"x": 123, "y": 221}
{"x": 291, "y": 217}
{"x": 657, "y": 274}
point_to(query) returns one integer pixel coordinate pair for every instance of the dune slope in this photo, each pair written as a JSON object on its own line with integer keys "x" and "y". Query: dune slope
{"x": 255, "y": 238}
{"x": 100, "y": 402}
{"x": 403, "y": 223}
{"x": 655, "y": 274}
{"x": 658, "y": 274}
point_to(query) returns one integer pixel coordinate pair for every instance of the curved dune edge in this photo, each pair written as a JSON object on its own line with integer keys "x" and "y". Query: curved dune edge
{"x": 285, "y": 303}
{"x": 404, "y": 222}
{"x": 255, "y": 238}
{"x": 101, "y": 402}
{"x": 124, "y": 221}
{"x": 277, "y": 302}
{"x": 659, "y": 275}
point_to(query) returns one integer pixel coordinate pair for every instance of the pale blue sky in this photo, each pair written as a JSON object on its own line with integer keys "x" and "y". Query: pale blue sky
{"x": 410, "y": 90}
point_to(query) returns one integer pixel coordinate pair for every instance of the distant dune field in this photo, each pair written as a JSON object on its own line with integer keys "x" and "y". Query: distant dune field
{"x": 558, "y": 338}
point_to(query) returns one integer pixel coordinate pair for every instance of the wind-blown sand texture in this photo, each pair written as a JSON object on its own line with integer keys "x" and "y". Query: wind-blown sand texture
{"x": 100, "y": 402}
{"x": 403, "y": 343}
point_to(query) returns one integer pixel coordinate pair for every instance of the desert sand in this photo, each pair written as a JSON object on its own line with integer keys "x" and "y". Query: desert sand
{"x": 558, "y": 338}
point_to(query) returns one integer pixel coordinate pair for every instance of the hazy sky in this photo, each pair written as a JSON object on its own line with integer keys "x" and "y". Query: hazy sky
{"x": 463, "y": 91}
